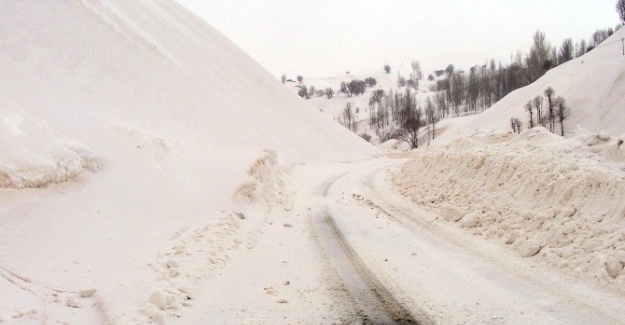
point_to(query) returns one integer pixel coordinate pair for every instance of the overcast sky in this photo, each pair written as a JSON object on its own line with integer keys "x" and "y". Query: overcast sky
{"x": 320, "y": 38}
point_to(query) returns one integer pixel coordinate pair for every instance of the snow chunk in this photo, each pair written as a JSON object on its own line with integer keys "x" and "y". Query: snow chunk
{"x": 529, "y": 248}
{"x": 469, "y": 221}
{"x": 451, "y": 212}
{"x": 87, "y": 293}
{"x": 163, "y": 300}
{"x": 613, "y": 266}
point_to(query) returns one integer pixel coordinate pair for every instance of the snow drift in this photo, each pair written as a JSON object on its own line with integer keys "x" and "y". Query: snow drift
{"x": 173, "y": 118}
{"x": 33, "y": 156}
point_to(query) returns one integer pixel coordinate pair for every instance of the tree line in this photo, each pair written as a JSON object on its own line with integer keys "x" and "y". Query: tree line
{"x": 398, "y": 114}
{"x": 554, "y": 111}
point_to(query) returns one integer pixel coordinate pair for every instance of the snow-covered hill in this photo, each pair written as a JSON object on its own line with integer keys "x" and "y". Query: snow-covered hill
{"x": 129, "y": 131}
{"x": 593, "y": 86}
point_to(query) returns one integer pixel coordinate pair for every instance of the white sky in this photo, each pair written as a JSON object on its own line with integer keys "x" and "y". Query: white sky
{"x": 321, "y": 38}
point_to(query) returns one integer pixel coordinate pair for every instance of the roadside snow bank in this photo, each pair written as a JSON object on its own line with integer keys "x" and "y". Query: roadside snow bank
{"x": 31, "y": 155}
{"x": 560, "y": 200}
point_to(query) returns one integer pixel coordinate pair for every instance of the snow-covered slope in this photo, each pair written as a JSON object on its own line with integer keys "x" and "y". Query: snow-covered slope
{"x": 593, "y": 86}
{"x": 166, "y": 131}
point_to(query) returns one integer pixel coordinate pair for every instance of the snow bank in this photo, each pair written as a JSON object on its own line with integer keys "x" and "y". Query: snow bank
{"x": 31, "y": 155}
{"x": 559, "y": 200}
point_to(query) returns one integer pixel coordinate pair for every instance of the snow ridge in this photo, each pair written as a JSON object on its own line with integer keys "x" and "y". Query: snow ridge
{"x": 557, "y": 199}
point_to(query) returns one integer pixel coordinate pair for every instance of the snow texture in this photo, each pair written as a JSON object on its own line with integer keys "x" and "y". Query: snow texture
{"x": 31, "y": 155}
{"x": 559, "y": 200}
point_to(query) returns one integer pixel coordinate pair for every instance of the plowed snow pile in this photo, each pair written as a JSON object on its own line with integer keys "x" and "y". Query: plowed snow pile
{"x": 555, "y": 199}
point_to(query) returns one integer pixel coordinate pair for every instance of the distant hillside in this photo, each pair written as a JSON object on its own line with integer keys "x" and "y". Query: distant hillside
{"x": 593, "y": 86}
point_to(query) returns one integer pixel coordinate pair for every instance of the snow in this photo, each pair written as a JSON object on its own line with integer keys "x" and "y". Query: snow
{"x": 133, "y": 138}
{"x": 33, "y": 156}
{"x": 558, "y": 199}
{"x": 591, "y": 85}
{"x": 152, "y": 173}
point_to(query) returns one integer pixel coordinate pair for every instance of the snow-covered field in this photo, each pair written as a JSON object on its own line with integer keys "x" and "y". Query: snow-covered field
{"x": 152, "y": 173}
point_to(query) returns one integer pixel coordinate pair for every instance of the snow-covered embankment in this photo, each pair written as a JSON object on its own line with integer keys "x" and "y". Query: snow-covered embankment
{"x": 558, "y": 200}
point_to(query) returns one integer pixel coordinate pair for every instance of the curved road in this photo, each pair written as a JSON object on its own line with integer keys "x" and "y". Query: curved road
{"x": 403, "y": 266}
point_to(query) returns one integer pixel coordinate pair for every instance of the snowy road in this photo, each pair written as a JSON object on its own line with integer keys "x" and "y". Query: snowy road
{"x": 401, "y": 265}
{"x": 378, "y": 305}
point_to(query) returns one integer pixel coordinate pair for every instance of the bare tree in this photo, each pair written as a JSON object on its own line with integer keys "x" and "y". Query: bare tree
{"x": 401, "y": 81}
{"x": 473, "y": 89}
{"x": 303, "y": 92}
{"x": 410, "y": 131}
{"x": 416, "y": 69}
{"x": 441, "y": 104}
{"x": 538, "y": 104}
{"x": 516, "y": 124}
{"x": 457, "y": 87}
{"x": 329, "y": 92}
{"x": 567, "y": 51}
{"x": 431, "y": 116}
{"x": 620, "y": 9}
{"x": 599, "y": 36}
{"x": 416, "y": 74}
{"x": 348, "y": 116}
{"x": 357, "y": 87}
{"x": 539, "y": 59}
{"x": 408, "y": 106}
{"x": 551, "y": 108}
{"x": 530, "y": 108}
{"x": 376, "y": 96}
{"x": 581, "y": 48}
{"x": 563, "y": 113}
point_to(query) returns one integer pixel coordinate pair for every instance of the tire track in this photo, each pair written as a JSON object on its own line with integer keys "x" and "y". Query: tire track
{"x": 378, "y": 304}
{"x": 382, "y": 306}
